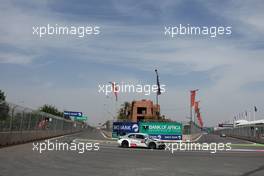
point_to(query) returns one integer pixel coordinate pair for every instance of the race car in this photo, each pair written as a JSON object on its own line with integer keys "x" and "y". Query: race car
{"x": 140, "y": 140}
{"x": 222, "y": 135}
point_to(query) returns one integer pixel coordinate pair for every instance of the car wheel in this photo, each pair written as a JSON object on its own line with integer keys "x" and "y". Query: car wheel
{"x": 152, "y": 145}
{"x": 124, "y": 144}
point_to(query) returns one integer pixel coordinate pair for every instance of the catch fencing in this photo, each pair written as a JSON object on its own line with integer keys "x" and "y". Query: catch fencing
{"x": 20, "y": 124}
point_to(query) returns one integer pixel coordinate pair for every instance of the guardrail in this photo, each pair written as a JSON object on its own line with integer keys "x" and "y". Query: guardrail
{"x": 191, "y": 131}
{"x": 20, "y": 124}
{"x": 254, "y": 133}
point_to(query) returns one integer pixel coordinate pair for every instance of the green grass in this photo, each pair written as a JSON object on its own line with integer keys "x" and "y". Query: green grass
{"x": 249, "y": 145}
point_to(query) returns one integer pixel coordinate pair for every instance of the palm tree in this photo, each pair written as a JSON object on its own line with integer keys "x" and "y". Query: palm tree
{"x": 4, "y": 108}
{"x": 124, "y": 111}
{"x": 2, "y": 96}
{"x": 51, "y": 110}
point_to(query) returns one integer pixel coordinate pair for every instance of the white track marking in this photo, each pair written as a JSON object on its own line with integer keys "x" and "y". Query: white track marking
{"x": 197, "y": 138}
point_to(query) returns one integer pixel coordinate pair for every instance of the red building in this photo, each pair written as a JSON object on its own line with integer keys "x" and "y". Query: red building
{"x": 144, "y": 110}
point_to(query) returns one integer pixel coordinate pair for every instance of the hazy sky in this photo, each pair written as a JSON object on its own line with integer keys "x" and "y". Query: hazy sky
{"x": 66, "y": 71}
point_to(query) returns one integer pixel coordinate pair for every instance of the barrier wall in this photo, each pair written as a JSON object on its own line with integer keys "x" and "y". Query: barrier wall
{"x": 254, "y": 133}
{"x": 19, "y": 124}
{"x": 191, "y": 132}
{"x": 159, "y": 129}
{"x": 196, "y": 132}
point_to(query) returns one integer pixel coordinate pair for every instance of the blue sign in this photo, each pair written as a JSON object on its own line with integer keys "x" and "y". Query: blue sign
{"x": 125, "y": 127}
{"x": 166, "y": 137}
{"x": 71, "y": 113}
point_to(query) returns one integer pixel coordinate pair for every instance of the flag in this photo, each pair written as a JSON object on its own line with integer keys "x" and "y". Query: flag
{"x": 196, "y": 106}
{"x": 255, "y": 109}
{"x": 199, "y": 117}
{"x": 114, "y": 89}
{"x": 193, "y": 94}
{"x": 158, "y": 83}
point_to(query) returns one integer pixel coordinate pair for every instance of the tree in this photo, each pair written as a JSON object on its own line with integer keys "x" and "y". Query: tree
{"x": 124, "y": 111}
{"x": 2, "y": 96}
{"x": 4, "y": 108}
{"x": 50, "y": 109}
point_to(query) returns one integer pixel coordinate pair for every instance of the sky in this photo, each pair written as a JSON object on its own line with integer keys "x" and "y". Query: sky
{"x": 66, "y": 71}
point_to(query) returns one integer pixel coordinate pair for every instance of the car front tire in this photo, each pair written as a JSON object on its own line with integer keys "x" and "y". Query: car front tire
{"x": 152, "y": 145}
{"x": 124, "y": 144}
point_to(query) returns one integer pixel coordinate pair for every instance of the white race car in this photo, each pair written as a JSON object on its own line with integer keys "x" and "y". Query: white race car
{"x": 140, "y": 140}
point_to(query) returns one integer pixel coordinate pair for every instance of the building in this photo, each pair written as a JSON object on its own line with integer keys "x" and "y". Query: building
{"x": 144, "y": 110}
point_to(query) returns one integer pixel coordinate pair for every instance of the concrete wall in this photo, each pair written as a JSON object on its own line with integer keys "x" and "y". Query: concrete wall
{"x": 16, "y": 137}
{"x": 20, "y": 124}
{"x": 251, "y": 133}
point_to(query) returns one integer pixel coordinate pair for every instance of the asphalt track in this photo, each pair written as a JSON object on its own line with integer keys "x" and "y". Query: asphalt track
{"x": 112, "y": 160}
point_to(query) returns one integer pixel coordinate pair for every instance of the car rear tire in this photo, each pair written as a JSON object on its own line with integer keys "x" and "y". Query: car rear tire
{"x": 124, "y": 144}
{"x": 152, "y": 145}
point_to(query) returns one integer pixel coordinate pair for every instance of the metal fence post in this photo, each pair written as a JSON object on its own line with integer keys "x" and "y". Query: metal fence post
{"x": 56, "y": 125}
{"x": 21, "y": 121}
{"x": 11, "y": 119}
{"x": 29, "y": 122}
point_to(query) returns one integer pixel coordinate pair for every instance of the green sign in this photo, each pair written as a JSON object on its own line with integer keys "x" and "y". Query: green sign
{"x": 161, "y": 128}
{"x": 82, "y": 118}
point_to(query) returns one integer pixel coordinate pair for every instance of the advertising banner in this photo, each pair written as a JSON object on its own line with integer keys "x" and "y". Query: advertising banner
{"x": 165, "y": 128}
{"x": 162, "y": 130}
{"x": 72, "y": 113}
{"x": 82, "y": 118}
{"x": 122, "y": 128}
{"x": 167, "y": 137}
